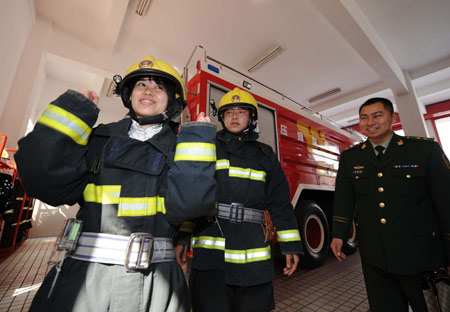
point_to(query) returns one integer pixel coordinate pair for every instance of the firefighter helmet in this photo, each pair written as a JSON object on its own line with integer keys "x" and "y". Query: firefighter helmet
{"x": 152, "y": 67}
{"x": 238, "y": 98}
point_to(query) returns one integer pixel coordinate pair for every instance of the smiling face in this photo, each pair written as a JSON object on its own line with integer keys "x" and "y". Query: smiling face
{"x": 148, "y": 98}
{"x": 375, "y": 122}
{"x": 236, "y": 119}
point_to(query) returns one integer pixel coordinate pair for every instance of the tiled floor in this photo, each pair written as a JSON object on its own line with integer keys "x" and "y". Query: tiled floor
{"x": 332, "y": 287}
{"x": 21, "y": 274}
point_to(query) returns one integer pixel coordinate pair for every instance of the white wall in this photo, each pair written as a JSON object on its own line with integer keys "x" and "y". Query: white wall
{"x": 15, "y": 23}
{"x": 48, "y": 220}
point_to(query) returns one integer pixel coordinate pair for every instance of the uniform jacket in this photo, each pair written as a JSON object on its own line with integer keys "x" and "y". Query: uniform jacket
{"x": 402, "y": 205}
{"x": 123, "y": 185}
{"x": 247, "y": 172}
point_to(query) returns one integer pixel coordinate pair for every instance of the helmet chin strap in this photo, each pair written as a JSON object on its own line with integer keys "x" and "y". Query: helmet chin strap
{"x": 157, "y": 119}
{"x": 160, "y": 118}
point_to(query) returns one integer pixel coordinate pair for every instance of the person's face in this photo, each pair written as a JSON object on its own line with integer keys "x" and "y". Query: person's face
{"x": 148, "y": 98}
{"x": 236, "y": 119}
{"x": 375, "y": 122}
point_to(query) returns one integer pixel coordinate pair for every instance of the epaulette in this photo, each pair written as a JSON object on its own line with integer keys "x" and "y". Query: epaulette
{"x": 419, "y": 139}
{"x": 354, "y": 147}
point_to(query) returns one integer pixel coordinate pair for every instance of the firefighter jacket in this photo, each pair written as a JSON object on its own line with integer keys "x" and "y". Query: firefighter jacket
{"x": 247, "y": 172}
{"x": 123, "y": 186}
{"x": 402, "y": 204}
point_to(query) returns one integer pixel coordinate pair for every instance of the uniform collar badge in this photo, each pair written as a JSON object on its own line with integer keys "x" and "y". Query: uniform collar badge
{"x": 400, "y": 142}
{"x": 363, "y": 146}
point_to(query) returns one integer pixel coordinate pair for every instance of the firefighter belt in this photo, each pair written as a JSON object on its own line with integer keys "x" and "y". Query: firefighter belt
{"x": 135, "y": 252}
{"x": 237, "y": 213}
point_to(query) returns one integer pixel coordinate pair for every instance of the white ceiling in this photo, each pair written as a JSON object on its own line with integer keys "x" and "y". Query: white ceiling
{"x": 362, "y": 47}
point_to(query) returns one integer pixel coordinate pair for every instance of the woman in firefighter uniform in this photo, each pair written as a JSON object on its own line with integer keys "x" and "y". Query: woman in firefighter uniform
{"x": 232, "y": 269}
{"x": 134, "y": 181}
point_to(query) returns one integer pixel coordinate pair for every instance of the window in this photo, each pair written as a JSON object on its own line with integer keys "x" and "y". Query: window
{"x": 443, "y": 128}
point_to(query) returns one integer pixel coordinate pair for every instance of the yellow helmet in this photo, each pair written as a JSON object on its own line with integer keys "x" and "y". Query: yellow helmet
{"x": 152, "y": 67}
{"x": 5, "y": 154}
{"x": 241, "y": 98}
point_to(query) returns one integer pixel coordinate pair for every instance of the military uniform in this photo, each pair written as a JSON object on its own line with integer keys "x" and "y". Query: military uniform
{"x": 123, "y": 186}
{"x": 401, "y": 205}
{"x": 231, "y": 256}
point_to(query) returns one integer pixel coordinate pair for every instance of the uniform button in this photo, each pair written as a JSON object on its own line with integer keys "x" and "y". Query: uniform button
{"x": 381, "y": 205}
{"x": 357, "y": 177}
{"x": 383, "y": 221}
{"x": 408, "y": 176}
{"x": 380, "y": 189}
{"x": 380, "y": 174}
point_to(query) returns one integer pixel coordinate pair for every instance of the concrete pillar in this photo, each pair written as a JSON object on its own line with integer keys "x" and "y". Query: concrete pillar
{"x": 18, "y": 104}
{"x": 411, "y": 111}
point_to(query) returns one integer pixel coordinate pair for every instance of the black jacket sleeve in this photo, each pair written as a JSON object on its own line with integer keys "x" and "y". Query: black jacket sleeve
{"x": 191, "y": 190}
{"x": 50, "y": 160}
{"x": 280, "y": 208}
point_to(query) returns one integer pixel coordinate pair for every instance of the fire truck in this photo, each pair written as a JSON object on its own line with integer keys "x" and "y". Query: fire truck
{"x": 307, "y": 144}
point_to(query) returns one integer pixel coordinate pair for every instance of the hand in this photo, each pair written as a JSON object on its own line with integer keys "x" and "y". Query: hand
{"x": 90, "y": 95}
{"x": 291, "y": 264}
{"x": 180, "y": 253}
{"x": 336, "y": 246}
{"x": 202, "y": 118}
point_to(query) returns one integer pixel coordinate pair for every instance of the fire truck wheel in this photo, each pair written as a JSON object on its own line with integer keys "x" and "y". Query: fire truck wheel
{"x": 351, "y": 245}
{"x": 315, "y": 233}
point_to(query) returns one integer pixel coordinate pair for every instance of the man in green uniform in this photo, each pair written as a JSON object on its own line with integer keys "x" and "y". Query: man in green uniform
{"x": 397, "y": 188}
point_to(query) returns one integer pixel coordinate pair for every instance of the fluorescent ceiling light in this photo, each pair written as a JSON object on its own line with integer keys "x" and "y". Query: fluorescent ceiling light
{"x": 324, "y": 95}
{"x": 142, "y": 7}
{"x": 265, "y": 59}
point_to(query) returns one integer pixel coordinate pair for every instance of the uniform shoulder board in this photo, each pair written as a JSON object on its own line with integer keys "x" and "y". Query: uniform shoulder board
{"x": 420, "y": 139}
{"x": 354, "y": 147}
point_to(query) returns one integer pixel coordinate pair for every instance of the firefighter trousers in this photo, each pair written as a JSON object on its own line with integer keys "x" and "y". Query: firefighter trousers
{"x": 209, "y": 292}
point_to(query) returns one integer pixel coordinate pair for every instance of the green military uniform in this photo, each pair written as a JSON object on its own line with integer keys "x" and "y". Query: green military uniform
{"x": 401, "y": 205}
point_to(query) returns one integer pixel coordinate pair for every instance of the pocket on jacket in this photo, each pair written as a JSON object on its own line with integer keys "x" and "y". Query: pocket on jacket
{"x": 360, "y": 181}
{"x": 409, "y": 180}
{"x": 426, "y": 230}
{"x": 134, "y": 155}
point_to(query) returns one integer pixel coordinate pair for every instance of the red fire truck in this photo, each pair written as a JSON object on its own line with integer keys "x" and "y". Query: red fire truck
{"x": 308, "y": 146}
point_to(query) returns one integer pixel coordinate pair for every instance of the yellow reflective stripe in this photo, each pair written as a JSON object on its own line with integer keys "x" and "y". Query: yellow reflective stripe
{"x": 208, "y": 242}
{"x": 247, "y": 256}
{"x": 195, "y": 152}
{"x": 222, "y": 164}
{"x": 140, "y": 206}
{"x": 237, "y": 172}
{"x": 247, "y": 174}
{"x": 127, "y": 206}
{"x": 187, "y": 226}
{"x": 67, "y": 123}
{"x": 102, "y": 194}
{"x": 288, "y": 236}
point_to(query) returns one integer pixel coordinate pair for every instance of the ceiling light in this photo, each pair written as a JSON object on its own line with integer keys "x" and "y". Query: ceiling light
{"x": 265, "y": 59}
{"x": 324, "y": 95}
{"x": 142, "y": 7}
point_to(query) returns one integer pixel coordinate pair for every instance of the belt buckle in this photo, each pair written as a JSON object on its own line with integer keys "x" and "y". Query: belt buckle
{"x": 236, "y": 213}
{"x": 142, "y": 239}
